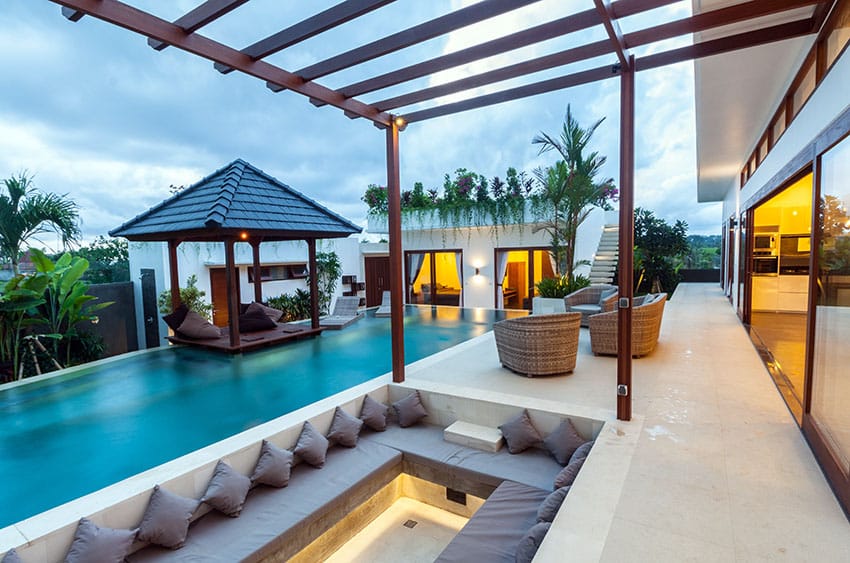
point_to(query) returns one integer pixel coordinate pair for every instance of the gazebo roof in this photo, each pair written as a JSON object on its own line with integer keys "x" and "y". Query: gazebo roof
{"x": 238, "y": 198}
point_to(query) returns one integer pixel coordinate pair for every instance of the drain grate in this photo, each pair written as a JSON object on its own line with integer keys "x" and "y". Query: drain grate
{"x": 410, "y": 524}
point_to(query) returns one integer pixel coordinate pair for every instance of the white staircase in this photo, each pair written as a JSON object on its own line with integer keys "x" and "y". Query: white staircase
{"x": 605, "y": 260}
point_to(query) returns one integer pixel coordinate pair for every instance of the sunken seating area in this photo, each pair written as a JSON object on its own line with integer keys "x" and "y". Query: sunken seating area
{"x": 647, "y": 313}
{"x": 324, "y": 504}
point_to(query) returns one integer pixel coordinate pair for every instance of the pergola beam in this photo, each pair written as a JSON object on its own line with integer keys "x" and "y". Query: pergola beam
{"x": 141, "y": 22}
{"x": 615, "y": 34}
{"x": 305, "y": 29}
{"x": 206, "y": 13}
{"x": 417, "y": 34}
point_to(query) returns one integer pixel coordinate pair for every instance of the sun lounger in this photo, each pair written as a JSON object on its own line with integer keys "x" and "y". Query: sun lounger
{"x": 344, "y": 313}
{"x": 385, "y": 310}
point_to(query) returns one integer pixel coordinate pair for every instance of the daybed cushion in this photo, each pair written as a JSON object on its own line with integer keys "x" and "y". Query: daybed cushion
{"x": 274, "y": 466}
{"x": 176, "y": 317}
{"x": 104, "y": 545}
{"x": 166, "y": 519}
{"x": 410, "y": 410}
{"x": 270, "y": 312}
{"x": 429, "y": 456}
{"x": 255, "y": 320}
{"x": 374, "y": 414}
{"x": 530, "y": 542}
{"x": 563, "y": 441}
{"x": 287, "y": 519}
{"x": 227, "y": 490}
{"x": 344, "y": 429}
{"x": 495, "y": 531}
{"x": 520, "y": 433}
{"x": 197, "y": 327}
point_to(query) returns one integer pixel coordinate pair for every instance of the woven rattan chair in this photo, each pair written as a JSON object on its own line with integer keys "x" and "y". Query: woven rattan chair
{"x": 539, "y": 345}
{"x": 588, "y": 300}
{"x": 646, "y": 324}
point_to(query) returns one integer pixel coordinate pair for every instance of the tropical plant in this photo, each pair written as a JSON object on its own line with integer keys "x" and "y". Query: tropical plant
{"x": 109, "y": 260}
{"x": 659, "y": 251}
{"x": 328, "y": 273}
{"x": 66, "y": 301}
{"x": 19, "y": 298}
{"x": 295, "y": 306}
{"x": 570, "y": 187}
{"x": 376, "y": 198}
{"x": 561, "y": 286}
{"x": 26, "y": 213}
{"x": 191, "y": 296}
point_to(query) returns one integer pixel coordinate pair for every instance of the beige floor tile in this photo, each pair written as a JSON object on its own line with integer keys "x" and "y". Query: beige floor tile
{"x": 637, "y": 542}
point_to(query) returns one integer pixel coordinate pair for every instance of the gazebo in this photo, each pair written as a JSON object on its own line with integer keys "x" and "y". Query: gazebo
{"x": 239, "y": 203}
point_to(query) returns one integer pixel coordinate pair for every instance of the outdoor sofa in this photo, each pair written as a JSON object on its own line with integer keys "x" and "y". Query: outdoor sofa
{"x": 647, "y": 312}
{"x": 590, "y": 300}
{"x": 539, "y": 344}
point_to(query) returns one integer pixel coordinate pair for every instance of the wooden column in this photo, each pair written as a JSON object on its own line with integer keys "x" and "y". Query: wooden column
{"x": 396, "y": 277}
{"x": 314, "y": 283}
{"x": 174, "y": 275}
{"x": 232, "y": 296}
{"x": 625, "y": 269}
{"x": 258, "y": 276}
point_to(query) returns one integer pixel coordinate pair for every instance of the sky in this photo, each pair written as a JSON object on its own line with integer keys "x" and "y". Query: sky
{"x": 93, "y": 112}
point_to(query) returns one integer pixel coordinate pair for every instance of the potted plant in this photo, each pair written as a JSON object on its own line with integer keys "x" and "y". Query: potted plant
{"x": 551, "y": 293}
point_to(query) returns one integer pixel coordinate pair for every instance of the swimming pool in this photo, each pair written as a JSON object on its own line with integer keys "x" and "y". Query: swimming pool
{"x": 75, "y": 434}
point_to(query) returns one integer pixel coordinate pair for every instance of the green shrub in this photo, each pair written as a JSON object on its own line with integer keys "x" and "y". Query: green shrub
{"x": 295, "y": 307}
{"x": 562, "y": 286}
{"x": 190, "y": 296}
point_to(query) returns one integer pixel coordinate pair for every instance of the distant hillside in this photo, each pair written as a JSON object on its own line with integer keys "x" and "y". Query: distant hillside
{"x": 704, "y": 253}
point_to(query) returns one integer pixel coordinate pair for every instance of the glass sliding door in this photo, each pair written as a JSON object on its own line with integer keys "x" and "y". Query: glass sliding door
{"x": 518, "y": 272}
{"x": 434, "y": 277}
{"x": 830, "y": 400}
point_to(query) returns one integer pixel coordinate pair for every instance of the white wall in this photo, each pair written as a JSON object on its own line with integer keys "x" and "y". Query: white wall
{"x": 199, "y": 257}
{"x": 828, "y": 101}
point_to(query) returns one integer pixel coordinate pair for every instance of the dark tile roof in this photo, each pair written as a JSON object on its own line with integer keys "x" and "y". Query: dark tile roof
{"x": 237, "y": 197}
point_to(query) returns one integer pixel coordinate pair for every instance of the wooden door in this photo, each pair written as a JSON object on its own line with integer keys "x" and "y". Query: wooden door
{"x": 377, "y": 279}
{"x": 218, "y": 288}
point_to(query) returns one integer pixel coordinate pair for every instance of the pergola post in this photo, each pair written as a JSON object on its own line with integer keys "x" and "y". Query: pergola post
{"x": 314, "y": 283}
{"x": 173, "y": 274}
{"x": 396, "y": 278}
{"x": 258, "y": 275}
{"x": 625, "y": 269}
{"x": 232, "y": 295}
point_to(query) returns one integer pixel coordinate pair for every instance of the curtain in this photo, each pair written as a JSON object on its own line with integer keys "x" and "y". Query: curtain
{"x": 459, "y": 266}
{"x": 553, "y": 262}
{"x": 414, "y": 266}
{"x": 501, "y": 270}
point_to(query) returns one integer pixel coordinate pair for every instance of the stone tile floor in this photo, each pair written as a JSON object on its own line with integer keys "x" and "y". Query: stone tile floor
{"x": 721, "y": 471}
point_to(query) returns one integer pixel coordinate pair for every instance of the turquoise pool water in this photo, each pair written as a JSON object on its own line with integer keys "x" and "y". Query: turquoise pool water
{"x": 76, "y": 434}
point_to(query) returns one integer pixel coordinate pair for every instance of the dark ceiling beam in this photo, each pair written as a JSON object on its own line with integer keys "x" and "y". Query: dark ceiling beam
{"x": 712, "y": 19}
{"x": 141, "y": 22}
{"x": 736, "y": 42}
{"x": 417, "y": 34}
{"x": 612, "y": 28}
{"x": 312, "y": 26}
{"x": 822, "y": 11}
{"x": 537, "y": 34}
{"x": 790, "y": 30}
{"x": 72, "y": 15}
{"x": 560, "y": 83}
{"x": 194, "y": 20}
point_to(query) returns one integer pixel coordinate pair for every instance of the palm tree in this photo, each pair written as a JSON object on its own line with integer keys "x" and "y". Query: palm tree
{"x": 25, "y": 213}
{"x": 571, "y": 187}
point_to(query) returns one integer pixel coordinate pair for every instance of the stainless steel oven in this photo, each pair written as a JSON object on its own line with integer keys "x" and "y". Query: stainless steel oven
{"x": 765, "y": 265}
{"x": 764, "y": 245}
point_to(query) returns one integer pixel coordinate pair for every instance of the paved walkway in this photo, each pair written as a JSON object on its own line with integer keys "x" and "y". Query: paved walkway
{"x": 721, "y": 471}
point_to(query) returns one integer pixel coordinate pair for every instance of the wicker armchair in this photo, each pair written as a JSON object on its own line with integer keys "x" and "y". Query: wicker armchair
{"x": 646, "y": 324}
{"x": 539, "y": 345}
{"x": 589, "y": 300}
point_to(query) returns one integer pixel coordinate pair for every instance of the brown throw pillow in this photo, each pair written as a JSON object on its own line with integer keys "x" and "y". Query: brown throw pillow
{"x": 176, "y": 318}
{"x": 312, "y": 447}
{"x": 410, "y": 410}
{"x": 255, "y": 321}
{"x": 520, "y": 434}
{"x": 197, "y": 327}
{"x": 374, "y": 414}
{"x": 270, "y": 312}
{"x": 563, "y": 441}
{"x": 345, "y": 429}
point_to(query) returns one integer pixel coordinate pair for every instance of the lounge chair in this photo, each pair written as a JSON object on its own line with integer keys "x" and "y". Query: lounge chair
{"x": 647, "y": 312}
{"x": 385, "y": 310}
{"x": 344, "y": 313}
{"x": 539, "y": 345}
{"x": 598, "y": 298}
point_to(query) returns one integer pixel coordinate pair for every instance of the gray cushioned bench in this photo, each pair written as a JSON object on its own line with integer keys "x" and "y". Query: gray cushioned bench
{"x": 428, "y": 456}
{"x": 289, "y": 518}
{"x": 494, "y": 532}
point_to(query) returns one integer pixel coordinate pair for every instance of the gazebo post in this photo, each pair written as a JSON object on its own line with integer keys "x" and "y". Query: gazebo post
{"x": 314, "y": 283}
{"x": 173, "y": 274}
{"x": 625, "y": 272}
{"x": 396, "y": 279}
{"x": 232, "y": 296}
{"x": 258, "y": 275}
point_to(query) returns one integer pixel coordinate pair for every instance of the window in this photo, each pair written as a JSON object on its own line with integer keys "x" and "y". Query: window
{"x": 281, "y": 272}
{"x": 837, "y": 38}
{"x": 779, "y": 126}
{"x": 805, "y": 89}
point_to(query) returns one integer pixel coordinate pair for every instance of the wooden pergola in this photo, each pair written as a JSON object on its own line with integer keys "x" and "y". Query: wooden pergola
{"x": 239, "y": 203}
{"x": 768, "y": 21}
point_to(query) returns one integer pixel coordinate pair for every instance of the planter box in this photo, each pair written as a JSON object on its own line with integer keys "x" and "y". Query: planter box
{"x": 430, "y": 220}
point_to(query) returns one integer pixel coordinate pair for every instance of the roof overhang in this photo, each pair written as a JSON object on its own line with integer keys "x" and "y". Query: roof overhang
{"x": 736, "y": 94}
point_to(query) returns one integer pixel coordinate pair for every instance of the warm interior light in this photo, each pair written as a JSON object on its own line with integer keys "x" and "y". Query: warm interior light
{"x": 243, "y": 235}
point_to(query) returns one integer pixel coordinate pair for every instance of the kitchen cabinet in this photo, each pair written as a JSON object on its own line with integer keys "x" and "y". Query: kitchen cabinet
{"x": 780, "y": 293}
{"x": 765, "y": 293}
